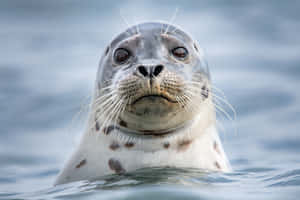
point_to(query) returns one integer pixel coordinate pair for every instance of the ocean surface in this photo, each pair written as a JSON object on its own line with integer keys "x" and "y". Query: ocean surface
{"x": 49, "y": 53}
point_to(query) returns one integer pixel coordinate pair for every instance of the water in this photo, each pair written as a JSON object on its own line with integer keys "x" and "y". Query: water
{"x": 48, "y": 58}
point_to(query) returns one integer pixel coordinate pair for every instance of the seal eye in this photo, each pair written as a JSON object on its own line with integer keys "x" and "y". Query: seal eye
{"x": 180, "y": 52}
{"x": 121, "y": 55}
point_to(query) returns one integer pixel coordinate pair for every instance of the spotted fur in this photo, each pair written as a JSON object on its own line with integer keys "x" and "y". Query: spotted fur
{"x": 183, "y": 145}
{"x": 216, "y": 148}
{"x": 204, "y": 91}
{"x": 108, "y": 129}
{"x": 114, "y": 146}
{"x": 116, "y": 166}
{"x": 217, "y": 165}
{"x": 123, "y": 123}
{"x": 83, "y": 162}
{"x": 166, "y": 145}
{"x": 97, "y": 126}
{"x": 129, "y": 144}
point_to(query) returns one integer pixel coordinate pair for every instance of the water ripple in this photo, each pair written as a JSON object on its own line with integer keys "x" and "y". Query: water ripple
{"x": 284, "y": 179}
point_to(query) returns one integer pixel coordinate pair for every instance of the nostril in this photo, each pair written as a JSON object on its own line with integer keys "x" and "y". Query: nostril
{"x": 143, "y": 70}
{"x": 157, "y": 70}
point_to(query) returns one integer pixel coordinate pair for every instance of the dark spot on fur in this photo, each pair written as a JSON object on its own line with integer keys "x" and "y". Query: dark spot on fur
{"x": 122, "y": 123}
{"x": 183, "y": 145}
{"x": 204, "y": 92}
{"x": 217, "y": 165}
{"x": 129, "y": 144}
{"x": 114, "y": 145}
{"x": 83, "y": 162}
{"x": 97, "y": 126}
{"x": 166, "y": 145}
{"x": 108, "y": 129}
{"x": 116, "y": 166}
{"x": 195, "y": 46}
{"x": 106, "y": 50}
{"x": 216, "y": 147}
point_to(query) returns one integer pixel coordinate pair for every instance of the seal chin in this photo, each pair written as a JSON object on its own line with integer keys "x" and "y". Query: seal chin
{"x": 152, "y": 106}
{"x": 154, "y": 97}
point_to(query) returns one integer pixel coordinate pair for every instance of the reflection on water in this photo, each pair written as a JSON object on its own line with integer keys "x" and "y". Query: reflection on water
{"x": 49, "y": 56}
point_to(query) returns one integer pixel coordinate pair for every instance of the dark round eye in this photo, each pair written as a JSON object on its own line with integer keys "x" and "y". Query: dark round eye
{"x": 121, "y": 55}
{"x": 180, "y": 52}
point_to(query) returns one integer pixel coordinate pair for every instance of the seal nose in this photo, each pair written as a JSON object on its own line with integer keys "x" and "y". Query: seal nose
{"x": 157, "y": 69}
{"x": 150, "y": 71}
{"x": 143, "y": 70}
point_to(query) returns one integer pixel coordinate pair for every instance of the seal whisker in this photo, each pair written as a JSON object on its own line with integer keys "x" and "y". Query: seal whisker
{"x": 219, "y": 90}
{"x": 104, "y": 90}
{"x": 193, "y": 104}
{"x": 219, "y": 123}
{"x": 161, "y": 28}
{"x": 127, "y": 86}
{"x": 220, "y": 110}
{"x": 171, "y": 20}
{"x": 223, "y": 97}
{"x": 103, "y": 110}
{"x": 104, "y": 102}
{"x": 184, "y": 100}
{"x": 221, "y": 101}
{"x": 195, "y": 92}
{"x": 104, "y": 99}
{"x": 84, "y": 106}
{"x": 137, "y": 26}
{"x": 108, "y": 86}
{"x": 118, "y": 111}
{"x": 194, "y": 96}
{"x": 110, "y": 118}
{"x": 224, "y": 112}
{"x": 226, "y": 103}
{"x": 126, "y": 22}
{"x": 121, "y": 112}
{"x": 189, "y": 107}
{"x": 181, "y": 102}
{"x": 107, "y": 114}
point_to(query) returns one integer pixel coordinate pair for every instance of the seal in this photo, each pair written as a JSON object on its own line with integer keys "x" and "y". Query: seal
{"x": 152, "y": 107}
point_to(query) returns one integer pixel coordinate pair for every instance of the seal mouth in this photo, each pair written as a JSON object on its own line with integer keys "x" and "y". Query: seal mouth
{"x": 152, "y": 133}
{"x": 152, "y": 96}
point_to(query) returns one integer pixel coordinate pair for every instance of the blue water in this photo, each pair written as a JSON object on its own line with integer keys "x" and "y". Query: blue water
{"x": 49, "y": 52}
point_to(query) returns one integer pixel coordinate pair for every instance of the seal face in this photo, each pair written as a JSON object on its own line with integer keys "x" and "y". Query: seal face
{"x": 153, "y": 76}
{"x": 152, "y": 107}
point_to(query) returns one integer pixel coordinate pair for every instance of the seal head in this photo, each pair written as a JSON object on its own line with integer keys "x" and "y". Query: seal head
{"x": 152, "y": 80}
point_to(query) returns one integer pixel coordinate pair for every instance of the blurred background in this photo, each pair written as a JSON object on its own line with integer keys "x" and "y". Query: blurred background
{"x": 49, "y": 54}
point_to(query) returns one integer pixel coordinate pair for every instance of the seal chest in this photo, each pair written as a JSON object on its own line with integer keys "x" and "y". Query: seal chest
{"x": 152, "y": 107}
